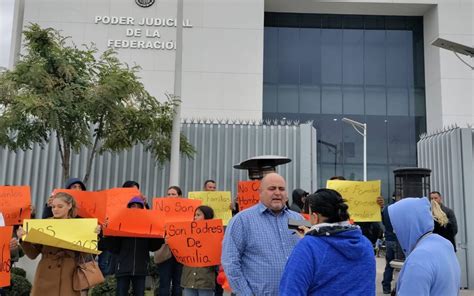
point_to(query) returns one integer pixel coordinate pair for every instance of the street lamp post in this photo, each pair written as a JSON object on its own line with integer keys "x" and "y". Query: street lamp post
{"x": 360, "y": 128}
{"x": 176, "y": 133}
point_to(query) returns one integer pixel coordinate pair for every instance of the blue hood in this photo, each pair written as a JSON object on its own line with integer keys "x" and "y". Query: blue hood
{"x": 411, "y": 218}
{"x": 72, "y": 181}
{"x": 349, "y": 242}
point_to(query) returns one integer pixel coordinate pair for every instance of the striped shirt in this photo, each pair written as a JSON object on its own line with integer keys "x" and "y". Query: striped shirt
{"x": 257, "y": 244}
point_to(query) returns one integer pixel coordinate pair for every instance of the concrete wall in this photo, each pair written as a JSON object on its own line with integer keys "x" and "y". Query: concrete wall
{"x": 222, "y": 52}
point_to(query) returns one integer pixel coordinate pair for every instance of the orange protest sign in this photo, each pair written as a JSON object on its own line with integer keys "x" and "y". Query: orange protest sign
{"x": 175, "y": 208}
{"x": 196, "y": 243}
{"x": 5, "y": 237}
{"x": 247, "y": 194}
{"x": 119, "y": 197}
{"x": 15, "y": 204}
{"x": 135, "y": 223}
{"x": 98, "y": 204}
{"x": 90, "y": 204}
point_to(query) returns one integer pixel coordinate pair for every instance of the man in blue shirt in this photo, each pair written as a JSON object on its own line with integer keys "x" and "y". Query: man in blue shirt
{"x": 257, "y": 242}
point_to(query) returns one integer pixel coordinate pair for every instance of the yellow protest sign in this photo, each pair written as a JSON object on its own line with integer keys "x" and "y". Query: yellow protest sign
{"x": 361, "y": 198}
{"x": 72, "y": 234}
{"x": 219, "y": 201}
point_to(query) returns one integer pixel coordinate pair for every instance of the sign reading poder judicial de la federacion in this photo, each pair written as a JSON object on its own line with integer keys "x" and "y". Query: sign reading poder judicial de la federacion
{"x": 141, "y": 33}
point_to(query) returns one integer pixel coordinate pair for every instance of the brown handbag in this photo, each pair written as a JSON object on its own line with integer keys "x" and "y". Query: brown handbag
{"x": 86, "y": 275}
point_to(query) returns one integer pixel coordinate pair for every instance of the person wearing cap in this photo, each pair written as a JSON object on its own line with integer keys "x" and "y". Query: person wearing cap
{"x": 71, "y": 184}
{"x": 133, "y": 256}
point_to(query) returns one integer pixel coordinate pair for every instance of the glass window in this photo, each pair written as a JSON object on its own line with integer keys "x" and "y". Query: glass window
{"x": 310, "y": 52}
{"x": 288, "y": 99}
{"x": 353, "y": 97}
{"x": 331, "y": 100}
{"x": 400, "y": 139}
{"x": 375, "y": 101}
{"x": 270, "y": 55}
{"x": 377, "y": 139}
{"x": 310, "y": 99}
{"x": 369, "y": 68}
{"x": 353, "y": 57}
{"x": 374, "y": 57}
{"x": 331, "y": 56}
{"x": 397, "y": 101}
{"x": 288, "y": 57}
{"x": 397, "y": 58}
{"x": 353, "y": 142}
{"x": 269, "y": 98}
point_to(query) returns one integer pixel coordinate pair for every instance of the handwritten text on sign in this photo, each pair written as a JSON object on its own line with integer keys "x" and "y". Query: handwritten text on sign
{"x": 361, "y": 198}
{"x": 5, "y": 237}
{"x": 248, "y": 194}
{"x": 175, "y": 208}
{"x": 197, "y": 243}
{"x": 219, "y": 201}
{"x": 71, "y": 234}
{"x": 15, "y": 204}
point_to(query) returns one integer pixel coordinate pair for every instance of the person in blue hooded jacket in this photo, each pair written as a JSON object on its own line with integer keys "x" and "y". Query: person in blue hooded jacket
{"x": 334, "y": 257}
{"x": 431, "y": 266}
{"x": 72, "y": 184}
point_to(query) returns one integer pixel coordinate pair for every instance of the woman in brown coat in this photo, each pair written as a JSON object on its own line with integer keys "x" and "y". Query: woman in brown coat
{"x": 54, "y": 274}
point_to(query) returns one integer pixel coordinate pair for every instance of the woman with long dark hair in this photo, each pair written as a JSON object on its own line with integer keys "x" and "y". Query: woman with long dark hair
{"x": 333, "y": 258}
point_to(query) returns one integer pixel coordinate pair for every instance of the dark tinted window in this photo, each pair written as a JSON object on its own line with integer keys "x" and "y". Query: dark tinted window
{"x": 368, "y": 68}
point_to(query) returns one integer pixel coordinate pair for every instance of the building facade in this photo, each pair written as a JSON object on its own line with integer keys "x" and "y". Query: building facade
{"x": 371, "y": 61}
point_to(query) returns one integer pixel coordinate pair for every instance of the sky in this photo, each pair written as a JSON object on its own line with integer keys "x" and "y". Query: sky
{"x": 6, "y": 22}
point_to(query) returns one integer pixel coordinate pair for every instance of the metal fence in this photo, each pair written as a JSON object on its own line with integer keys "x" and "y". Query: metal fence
{"x": 219, "y": 145}
{"x": 449, "y": 154}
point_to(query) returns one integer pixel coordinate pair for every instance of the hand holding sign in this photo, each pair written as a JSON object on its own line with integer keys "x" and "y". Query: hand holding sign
{"x": 361, "y": 198}
{"x": 196, "y": 243}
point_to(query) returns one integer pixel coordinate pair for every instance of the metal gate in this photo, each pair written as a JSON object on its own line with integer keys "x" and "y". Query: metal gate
{"x": 219, "y": 145}
{"x": 449, "y": 154}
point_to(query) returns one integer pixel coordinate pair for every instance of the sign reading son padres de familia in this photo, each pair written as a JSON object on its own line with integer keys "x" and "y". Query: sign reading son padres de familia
{"x": 141, "y": 33}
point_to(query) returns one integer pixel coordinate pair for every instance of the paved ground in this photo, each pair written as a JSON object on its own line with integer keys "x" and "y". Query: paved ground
{"x": 30, "y": 267}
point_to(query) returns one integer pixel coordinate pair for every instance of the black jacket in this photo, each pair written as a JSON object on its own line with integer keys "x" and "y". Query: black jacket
{"x": 133, "y": 253}
{"x": 450, "y": 230}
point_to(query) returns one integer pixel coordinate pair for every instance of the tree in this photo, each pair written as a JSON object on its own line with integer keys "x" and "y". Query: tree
{"x": 82, "y": 99}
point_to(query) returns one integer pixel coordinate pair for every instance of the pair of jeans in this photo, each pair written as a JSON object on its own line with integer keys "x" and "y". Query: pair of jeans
{"x": 107, "y": 262}
{"x": 170, "y": 278}
{"x": 197, "y": 292}
{"x": 123, "y": 285}
{"x": 390, "y": 254}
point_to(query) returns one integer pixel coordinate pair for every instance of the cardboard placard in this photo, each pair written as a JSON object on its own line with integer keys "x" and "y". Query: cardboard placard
{"x": 5, "y": 237}
{"x": 361, "y": 198}
{"x": 196, "y": 243}
{"x": 248, "y": 194}
{"x": 135, "y": 223}
{"x": 90, "y": 204}
{"x": 15, "y": 204}
{"x": 57, "y": 233}
{"x": 176, "y": 208}
{"x": 219, "y": 201}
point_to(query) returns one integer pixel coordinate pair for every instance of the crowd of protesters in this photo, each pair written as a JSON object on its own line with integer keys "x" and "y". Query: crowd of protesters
{"x": 262, "y": 256}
